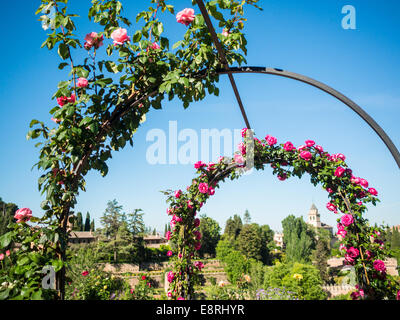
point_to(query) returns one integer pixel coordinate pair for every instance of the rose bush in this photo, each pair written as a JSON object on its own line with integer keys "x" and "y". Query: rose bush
{"x": 361, "y": 243}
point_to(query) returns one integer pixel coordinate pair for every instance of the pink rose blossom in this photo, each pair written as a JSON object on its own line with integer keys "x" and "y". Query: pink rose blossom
{"x": 199, "y": 164}
{"x": 353, "y": 252}
{"x": 331, "y": 207}
{"x": 169, "y": 253}
{"x": 302, "y": 147}
{"x": 340, "y": 156}
{"x": 199, "y": 265}
{"x": 271, "y": 140}
{"x": 170, "y": 276}
{"x": 242, "y": 148}
{"x": 349, "y": 259}
{"x": 225, "y": 32}
{"x": 239, "y": 159}
{"x": 169, "y": 294}
{"x": 8, "y": 253}
{"x": 243, "y": 132}
{"x": 82, "y": 82}
{"x": 155, "y": 46}
{"x": 120, "y": 36}
{"x": 168, "y": 235}
{"x": 1, "y": 256}
{"x": 373, "y": 191}
{"x": 306, "y": 155}
{"x": 23, "y": 215}
{"x": 282, "y": 177}
{"x": 197, "y": 246}
{"x": 319, "y": 148}
{"x": 354, "y": 180}
{"x": 288, "y": 146}
{"x": 211, "y": 191}
{"x": 339, "y": 171}
{"x": 309, "y": 143}
{"x": 93, "y": 40}
{"x": 203, "y": 187}
{"x": 178, "y": 193}
{"x": 197, "y": 234}
{"x": 379, "y": 265}
{"x": 329, "y": 190}
{"x": 364, "y": 183}
{"x": 347, "y": 219}
{"x": 196, "y": 222}
{"x": 181, "y": 298}
{"x": 186, "y": 16}
{"x": 85, "y": 273}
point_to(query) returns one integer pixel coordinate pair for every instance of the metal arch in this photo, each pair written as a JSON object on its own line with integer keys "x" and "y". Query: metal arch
{"x": 351, "y": 104}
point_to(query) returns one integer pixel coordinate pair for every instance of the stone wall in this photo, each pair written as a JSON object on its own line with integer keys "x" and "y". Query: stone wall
{"x": 335, "y": 290}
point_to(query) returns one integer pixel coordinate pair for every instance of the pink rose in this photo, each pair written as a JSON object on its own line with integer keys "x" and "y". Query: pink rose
{"x": 306, "y": 155}
{"x": 169, "y": 253}
{"x": 339, "y": 171}
{"x": 169, "y": 294}
{"x": 243, "y": 132}
{"x": 379, "y": 265}
{"x": 93, "y": 40}
{"x": 331, "y": 207}
{"x": 239, "y": 159}
{"x": 319, "y": 148}
{"x": 196, "y": 222}
{"x": 282, "y": 177}
{"x": 398, "y": 295}
{"x": 302, "y": 147}
{"x": 271, "y": 140}
{"x": 120, "y": 36}
{"x": 349, "y": 259}
{"x": 354, "y": 180}
{"x": 329, "y": 190}
{"x": 178, "y": 193}
{"x": 8, "y": 253}
{"x": 353, "y": 252}
{"x": 197, "y": 246}
{"x": 341, "y": 156}
{"x": 155, "y": 46}
{"x": 170, "y": 276}
{"x": 168, "y": 235}
{"x": 181, "y": 298}
{"x": 199, "y": 265}
{"x": 347, "y": 219}
{"x": 199, "y": 164}
{"x": 364, "y": 183}
{"x": 1, "y": 256}
{"x": 186, "y": 16}
{"x": 85, "y": 273}
{"x": 288, "y": 146}
{"x": 211, "y": 191}
{"x": 23, "y": 215}
{"x": 225, "y": 32}
{"x": 309, "y": 143}
{"x": 242, "y": 148}
{"x": 210, "y": 166}
{"x": 373, "y": 191}
{"x": 203, "y": 187}
{"x": 82, "y": 82}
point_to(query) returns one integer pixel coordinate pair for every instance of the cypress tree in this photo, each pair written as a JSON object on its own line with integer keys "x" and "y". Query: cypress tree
{"x": 78, "y": 225}
{"x": 87, "y": 222}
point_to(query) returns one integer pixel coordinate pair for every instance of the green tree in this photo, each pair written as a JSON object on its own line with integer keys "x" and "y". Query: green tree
{"x": 87, "y": 222}
{"x": 210, "y": 231}
{"x": 135, "y": 222}
{"x": 298, "y": 238}
{"x": 112, "y": 220}
{"x": 92, "y": 228}
{"x": 320, "y": 257}
{"x": 78, "y": 222}
{"x": 247, "y": 218}
{"x": 7, "y": 212}
{"x": 250, "y": 242}
{"x": 233, "y": 227}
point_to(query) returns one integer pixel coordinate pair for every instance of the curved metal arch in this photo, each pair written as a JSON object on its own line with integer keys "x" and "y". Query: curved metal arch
{"x": 351, "y": 104}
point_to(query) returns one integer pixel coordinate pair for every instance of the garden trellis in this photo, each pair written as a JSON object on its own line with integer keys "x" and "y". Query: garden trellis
{"x": 98, "y": 115}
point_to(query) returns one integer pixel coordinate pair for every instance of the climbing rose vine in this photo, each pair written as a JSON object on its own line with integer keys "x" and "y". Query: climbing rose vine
{"x": 361, "y": 243}
{"x": 116, "y": 72}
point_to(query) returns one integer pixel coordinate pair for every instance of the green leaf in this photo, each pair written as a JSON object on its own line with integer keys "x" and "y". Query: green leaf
{"x": 37, "y": 295}
{"x": 63, "y": 51}
{"x": 62, "y": 65}
{"x": 5, "y": 239}
{"x": 4, "y": 294}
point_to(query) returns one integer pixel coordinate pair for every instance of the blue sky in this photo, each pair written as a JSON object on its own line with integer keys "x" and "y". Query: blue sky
{"x": 301, "y": 36}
